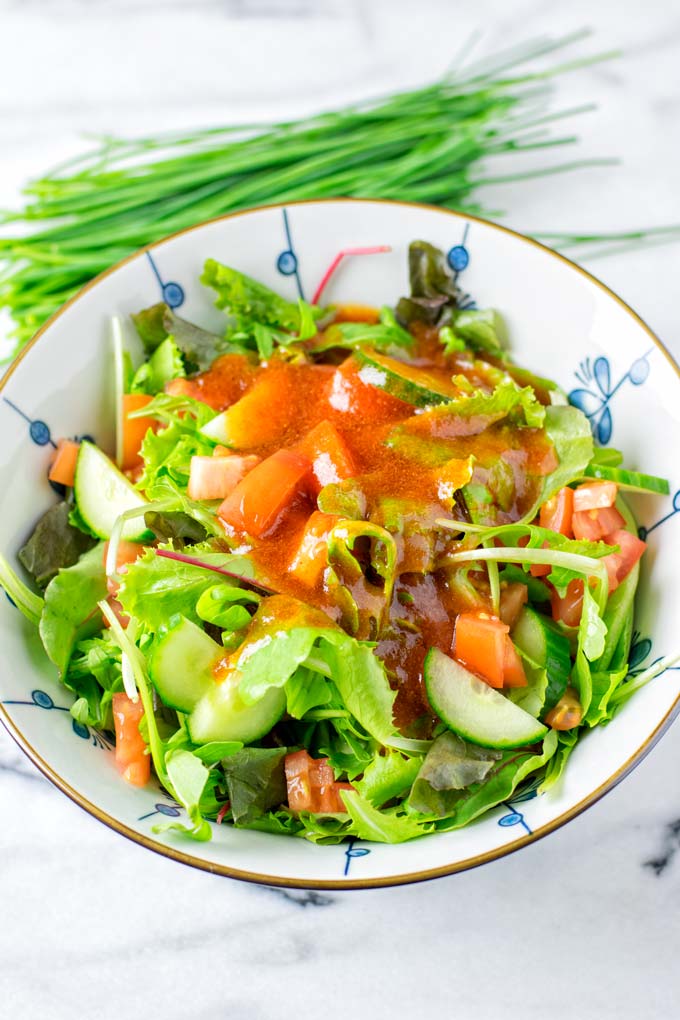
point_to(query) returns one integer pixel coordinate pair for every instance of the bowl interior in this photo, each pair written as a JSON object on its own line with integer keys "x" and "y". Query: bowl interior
{"x": 561, "y": 323}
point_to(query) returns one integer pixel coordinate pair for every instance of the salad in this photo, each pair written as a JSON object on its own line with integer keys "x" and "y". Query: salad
{"x": 350, "y": 573}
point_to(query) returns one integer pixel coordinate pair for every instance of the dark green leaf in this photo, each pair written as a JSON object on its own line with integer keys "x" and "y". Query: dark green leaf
{"x": 175, "y": 526}
{"x": 256, "y": 782}
{"x": 54, "y": 544}
{"x": 451, "y": 765}
{"x": 199, "y": 347}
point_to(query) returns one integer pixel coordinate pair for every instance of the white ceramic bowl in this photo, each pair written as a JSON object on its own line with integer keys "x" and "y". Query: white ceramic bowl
{"x": 561, "y": 322}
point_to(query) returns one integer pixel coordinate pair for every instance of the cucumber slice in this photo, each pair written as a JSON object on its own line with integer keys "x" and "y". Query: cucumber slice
{"x": 407, "y": 382}
{"x": 181, "y": 663}
{"x": 103, "y": 493}
{"x": 474, "y": 710}
{"x": 633, "y": 480}
{"x": 545, "y": 646}
{"x": 221, "y": 714}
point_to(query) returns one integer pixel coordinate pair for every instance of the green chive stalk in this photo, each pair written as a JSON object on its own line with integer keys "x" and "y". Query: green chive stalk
{"x": 423, "y": 145}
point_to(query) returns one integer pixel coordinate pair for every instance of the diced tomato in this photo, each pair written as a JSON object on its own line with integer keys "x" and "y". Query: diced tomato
{"x": 593, "y": 525}
{"x": 134, "y": 429}
{"x": 63, "y": 466}
{"x": 217, "y": 477}
{"x": 329, "y": 454}
{"x": 513, "y": 597}
{"x": 258, "y": 501}
{"x": 131, "y": 757}
{"x": 181, "y": 388}
{"x": 513, "y": 668}
{"x": 567, "y": 713}
{"x": 311, "y": 785}
{"x": 619, "y": 565}
{"x": 556, "y": 513}
{"x": 350, "y": 395}
{"x": 127, "y": 552}
{"x": 567, "y": 609}
{"x": 594, "y": 496}
{"x": 479, "y": 643}
{"x": 310, "y": 560}
{"x": 540, "y": 569}
{"x": 222, "y": 451}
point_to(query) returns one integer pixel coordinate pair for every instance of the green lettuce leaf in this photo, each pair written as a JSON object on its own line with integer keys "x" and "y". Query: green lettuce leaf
{"x": 175, "y": 526}
{"x": 450, "y": 765}
{"x": 199, "y": 347}
{"x": 499, "y": 785}
{"x": 569, "y": 431}
{"x": 391, "y": 826}
{"x": 305, "y": 690}
{"x": 165, "y": 363}
{"x": 54, "y": 544}
{"x": 189, "y": 777}
{"x": 26, "y": 601}
{"x": 155, "y": 588}
{"x": 479, "y": 329}
{"x": 389, "y": 775}
{"x": 70, "y": 613}
{"x": 256, "y": 782}
{"x": 94, "y": 674}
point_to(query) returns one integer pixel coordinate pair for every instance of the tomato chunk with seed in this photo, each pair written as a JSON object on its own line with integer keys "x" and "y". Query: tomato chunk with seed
{"x": 619, "y": 564}
{"x": 131, "y": 757}
{"x": 567, "y": 608}
{"x": 257, "y": 502}
{"x": 593, "y": 525}
{"x": 217, "y": 477}
{"x": 479, "y": 644}
{"x": 556, "y": 513}
{"x": 311, "y": 785}
{"x": 330, "y": 456}
{"x": 595, "y": 496}
{"x": 311, "y": 559}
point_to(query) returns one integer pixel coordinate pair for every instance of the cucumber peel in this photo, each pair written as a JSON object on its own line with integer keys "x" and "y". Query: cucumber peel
{"x": 475, "y": 711}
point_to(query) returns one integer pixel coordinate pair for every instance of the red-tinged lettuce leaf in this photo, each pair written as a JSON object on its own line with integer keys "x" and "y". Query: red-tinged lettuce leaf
{"x": 450, "y": 766}
{"x": 499, "y": 785}
{"x": 54, "y": 544}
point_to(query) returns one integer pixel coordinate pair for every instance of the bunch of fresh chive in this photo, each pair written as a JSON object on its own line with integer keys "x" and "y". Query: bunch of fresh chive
{"x": 422, "y": 145}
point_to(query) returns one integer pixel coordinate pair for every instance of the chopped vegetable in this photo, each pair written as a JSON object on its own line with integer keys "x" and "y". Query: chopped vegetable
{"x": 311, "y": 785}
{"x": 63, "y": 466}
{"x": 480, "y": 644}
{"x": 329, "y": 454}
{"x": 217, "y": 477}
{"x": 257, "y": 502}
{"x": 132, "y": 758}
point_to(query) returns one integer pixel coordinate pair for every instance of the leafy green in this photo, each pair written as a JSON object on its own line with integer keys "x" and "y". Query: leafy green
{"x": 386, "y": 335}
{"x": 154, "y": 588}
{"x": 199, "y": 347}
{"x": 362, "y": 561}
{"x": 225, "y": 606}
{"x": 566, "y": 742}
{"x": 188, "y": 776}
{"x": 434, "y": 293}
{"x": 306, "y": 689}
{"x": 619, "y": 611}
{"x": 256, "y": 782}
{"x": 26, "y": 601}
{"x": 479, "y": 329}
{"x": 389, "y": 775}
{"x": 216, "y": 750}
{"x": 258, "y": 314}
{"x": 175, "y": 526}
{"x": 499, "y": 784}
{"x": 592, "y": 628}
{"x": 450, "y": 765}
{"x": 286, "y": 632}
{"x": 569, "y": 431}
{"x": 94, "y": 674}
{"x": 532, "y": 697}
{"x": 168, "y": 452}
{"x": 70, "y": 612}
{"x": 165, "y": 363}
{"x": 603, "y": 684}
{"x": 54, "y": 544}
{"x": 390, "y": 826}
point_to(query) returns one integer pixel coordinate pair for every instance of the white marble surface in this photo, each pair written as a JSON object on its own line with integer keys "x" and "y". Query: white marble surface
{"x": 582, "y": 925}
